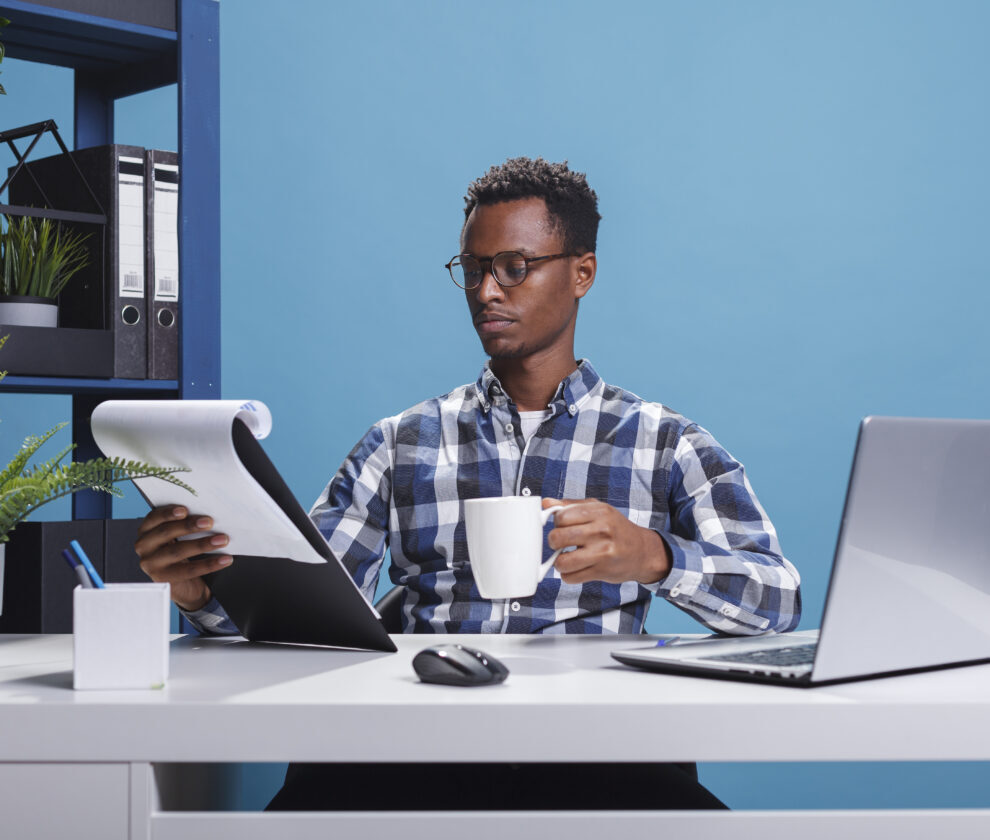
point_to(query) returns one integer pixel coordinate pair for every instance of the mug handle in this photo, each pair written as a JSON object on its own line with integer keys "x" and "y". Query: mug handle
{"x": 544, "y": 516}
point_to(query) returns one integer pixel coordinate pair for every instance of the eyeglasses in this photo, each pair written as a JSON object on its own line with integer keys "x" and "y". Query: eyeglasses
{"x": 509, "y": 268}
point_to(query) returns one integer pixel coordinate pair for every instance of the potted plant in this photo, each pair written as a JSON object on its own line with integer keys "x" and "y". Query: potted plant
{"x": 25, "y": 488}
{"x": 37, "y": 259}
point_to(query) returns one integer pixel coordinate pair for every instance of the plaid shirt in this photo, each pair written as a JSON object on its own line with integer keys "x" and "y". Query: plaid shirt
{"x": 403, "y": 485}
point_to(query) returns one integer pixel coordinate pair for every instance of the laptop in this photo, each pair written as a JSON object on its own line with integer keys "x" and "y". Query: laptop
{"x": 910, "y": 583}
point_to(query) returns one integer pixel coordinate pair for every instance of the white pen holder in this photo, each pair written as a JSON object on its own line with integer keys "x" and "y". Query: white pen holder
{"x": 121, "y": 636}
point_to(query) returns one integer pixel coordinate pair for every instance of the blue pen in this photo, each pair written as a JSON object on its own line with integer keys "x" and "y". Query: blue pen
{"x": 97, "y": 580}
{"x": 74, "y": 564}
{"x": 672, "y": 640}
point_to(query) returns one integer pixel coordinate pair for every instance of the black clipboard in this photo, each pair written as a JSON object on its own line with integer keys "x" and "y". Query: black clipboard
{"x": 275, "y": 599}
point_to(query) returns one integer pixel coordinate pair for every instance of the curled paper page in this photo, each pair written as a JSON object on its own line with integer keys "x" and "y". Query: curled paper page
{"x": 199, "y": 435}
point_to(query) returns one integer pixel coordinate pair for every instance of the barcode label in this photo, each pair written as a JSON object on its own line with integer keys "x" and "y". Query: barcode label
{"x": 167, "y": 285}
{"x": 131, "y": 281}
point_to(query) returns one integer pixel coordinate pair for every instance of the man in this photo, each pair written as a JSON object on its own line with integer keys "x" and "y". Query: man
{"x": 654, "y": 505}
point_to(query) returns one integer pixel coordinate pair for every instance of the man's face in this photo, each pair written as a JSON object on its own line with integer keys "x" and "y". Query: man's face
{"x": 537, "y": 315}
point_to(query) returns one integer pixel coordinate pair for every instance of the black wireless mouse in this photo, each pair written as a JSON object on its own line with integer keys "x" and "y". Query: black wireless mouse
{"x": 458, "y": 665}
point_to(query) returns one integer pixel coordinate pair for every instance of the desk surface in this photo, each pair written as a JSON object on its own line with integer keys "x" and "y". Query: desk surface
{"x": 565, "y": 700}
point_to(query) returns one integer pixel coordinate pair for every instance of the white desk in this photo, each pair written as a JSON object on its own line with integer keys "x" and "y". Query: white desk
{"x": 231, "y": 701}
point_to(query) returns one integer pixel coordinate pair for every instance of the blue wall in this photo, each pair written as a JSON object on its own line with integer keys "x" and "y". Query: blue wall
{"x": 796, "y": 200}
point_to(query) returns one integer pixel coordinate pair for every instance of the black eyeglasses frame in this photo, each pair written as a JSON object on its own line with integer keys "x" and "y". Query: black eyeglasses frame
{"x": 491, "y": 263}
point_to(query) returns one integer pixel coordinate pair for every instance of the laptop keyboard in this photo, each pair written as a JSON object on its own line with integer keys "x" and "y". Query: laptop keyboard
{"x": 787, "y": 656}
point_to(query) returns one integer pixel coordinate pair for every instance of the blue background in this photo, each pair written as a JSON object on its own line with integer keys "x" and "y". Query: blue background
{"x": 796, "y": 199}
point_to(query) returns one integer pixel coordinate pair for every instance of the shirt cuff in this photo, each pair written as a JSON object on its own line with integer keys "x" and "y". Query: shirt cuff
{"x": 683, "y": 588}
{"x": 211, "y": 620}
{"x": 678, "y": 578}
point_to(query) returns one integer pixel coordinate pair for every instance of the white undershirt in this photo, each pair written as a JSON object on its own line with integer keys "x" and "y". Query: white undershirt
{"x": 530, "y": 422}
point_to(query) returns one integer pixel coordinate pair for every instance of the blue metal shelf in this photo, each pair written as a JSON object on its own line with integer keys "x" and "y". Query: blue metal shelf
{"x": 81, "y": 41}
{"x": 115, "y": 58}
{"x": 108, "y": 387}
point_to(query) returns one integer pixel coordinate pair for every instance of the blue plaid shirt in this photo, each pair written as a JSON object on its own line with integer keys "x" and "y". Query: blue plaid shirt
{"x": 402, "y": 488}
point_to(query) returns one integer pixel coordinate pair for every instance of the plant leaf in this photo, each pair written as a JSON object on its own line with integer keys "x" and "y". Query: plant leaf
{"x": 21, "y": 495}
{"x": 39, "y": 258}
{"x": 28, "y": 448}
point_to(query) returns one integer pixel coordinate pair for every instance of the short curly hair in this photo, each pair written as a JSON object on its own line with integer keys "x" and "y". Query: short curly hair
{"x": 571, "y": 204}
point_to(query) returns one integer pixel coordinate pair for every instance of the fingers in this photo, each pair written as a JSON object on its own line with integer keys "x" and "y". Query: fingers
{"x": 583, "y": 565}
{"x": 185, "y": 559}
{"x": 164, "y": 525}
{"x": 580, "y": 535}
{"x": 594, "y": 557}
{"x": 169, "y": 554}
{"x": 579, "y": 510}
{"x": 550, "y": 502}
{"x": 190, "y": 568}
{"x": 166, "y": 557}
{"x": 160, "y": 515}
{"x": 596, "y": 530}
{"x": 580, "y": 523}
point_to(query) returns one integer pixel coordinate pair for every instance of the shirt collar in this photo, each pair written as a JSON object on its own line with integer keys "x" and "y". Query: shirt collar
{"x": 569, "y": 396}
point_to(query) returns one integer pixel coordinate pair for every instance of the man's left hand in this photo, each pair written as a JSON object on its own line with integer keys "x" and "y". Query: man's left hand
{"x": 609, "y": 546}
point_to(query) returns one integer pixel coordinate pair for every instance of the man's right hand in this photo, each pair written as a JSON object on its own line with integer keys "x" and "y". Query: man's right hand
{"x": 167, "y": 559}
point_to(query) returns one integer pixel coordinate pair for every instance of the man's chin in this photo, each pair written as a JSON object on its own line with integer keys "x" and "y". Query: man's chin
{"x": 497, "y": 350}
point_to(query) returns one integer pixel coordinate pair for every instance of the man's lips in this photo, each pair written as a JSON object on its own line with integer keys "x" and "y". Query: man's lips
{"x": 488, "y": 323}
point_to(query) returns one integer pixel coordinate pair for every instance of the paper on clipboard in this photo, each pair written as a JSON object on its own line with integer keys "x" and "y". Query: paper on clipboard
{"x": 199, "y": 435}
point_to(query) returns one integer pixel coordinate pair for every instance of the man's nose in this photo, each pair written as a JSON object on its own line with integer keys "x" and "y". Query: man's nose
{"x": 489, "y": 289}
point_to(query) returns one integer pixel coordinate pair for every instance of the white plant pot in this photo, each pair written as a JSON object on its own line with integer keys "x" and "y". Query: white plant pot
{"x": 25, "y": 311}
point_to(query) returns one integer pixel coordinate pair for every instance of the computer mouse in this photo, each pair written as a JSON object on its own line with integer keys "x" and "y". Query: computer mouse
{"x": 458, "y": 665}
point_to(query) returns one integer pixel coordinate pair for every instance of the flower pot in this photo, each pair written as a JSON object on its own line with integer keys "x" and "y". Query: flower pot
{"x": 28, "y": 311}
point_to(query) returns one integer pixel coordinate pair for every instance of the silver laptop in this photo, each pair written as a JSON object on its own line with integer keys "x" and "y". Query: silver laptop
{"x": 910, "y": 583}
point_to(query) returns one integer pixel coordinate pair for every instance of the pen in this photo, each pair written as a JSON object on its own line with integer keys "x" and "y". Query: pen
{"x": 84, "y": 580}
{"x": 672, "y": 640}
{"x": 93, "y": 575}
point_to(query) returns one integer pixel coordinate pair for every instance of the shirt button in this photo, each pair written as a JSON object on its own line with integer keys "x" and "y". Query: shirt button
{"x": 510, "y": 428}
{"x": 515, "y": 606}
{"x": 526, "y": 491}
{"x": 572, "y": 409}
{"x": 726, "y": 611}
{"x": 675, "y": 592}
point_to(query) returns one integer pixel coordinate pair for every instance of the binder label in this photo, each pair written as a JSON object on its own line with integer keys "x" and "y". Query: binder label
{"x": 166, "y": 232}
{"x": 130, "y": 216}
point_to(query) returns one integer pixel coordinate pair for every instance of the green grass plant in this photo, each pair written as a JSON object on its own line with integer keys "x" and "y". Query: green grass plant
{"x": 37, "y": 257}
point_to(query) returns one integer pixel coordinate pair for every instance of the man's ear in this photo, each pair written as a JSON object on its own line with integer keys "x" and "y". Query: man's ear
{"x": 587, "y": 265}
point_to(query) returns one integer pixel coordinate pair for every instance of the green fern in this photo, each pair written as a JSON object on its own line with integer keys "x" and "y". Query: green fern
{"x": 24, "y": 489}
{"x": 21, "y": 495}
{"x": 31, "y": 445}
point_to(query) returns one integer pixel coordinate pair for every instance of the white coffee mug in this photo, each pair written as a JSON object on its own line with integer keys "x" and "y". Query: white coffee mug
{"x": 505, "y": 544}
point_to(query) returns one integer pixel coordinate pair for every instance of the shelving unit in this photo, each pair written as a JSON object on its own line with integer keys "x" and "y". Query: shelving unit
{"x": 147, "y": 45}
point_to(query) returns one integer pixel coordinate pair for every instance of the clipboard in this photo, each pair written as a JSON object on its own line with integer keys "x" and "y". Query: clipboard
{"x": 296, "y": 590}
